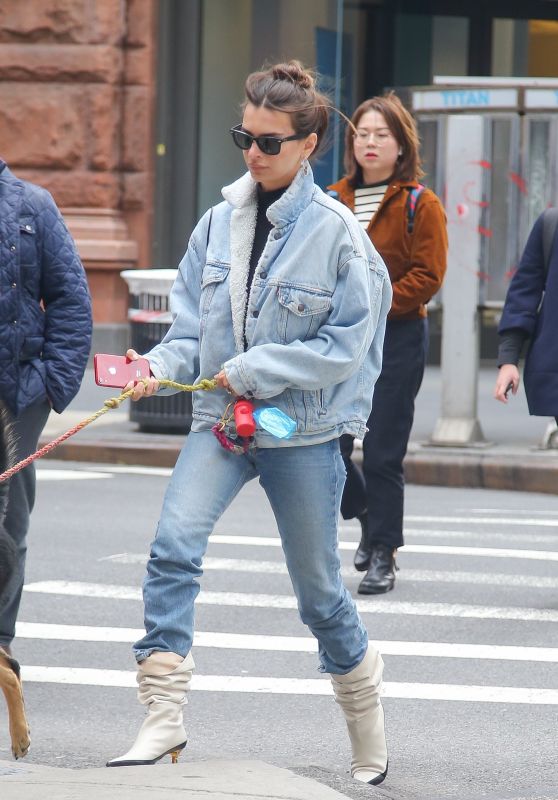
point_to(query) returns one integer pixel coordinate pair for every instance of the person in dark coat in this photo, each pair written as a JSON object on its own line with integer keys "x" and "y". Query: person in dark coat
{"x": 530, "y": 314}
{"x": 45, "y": 337}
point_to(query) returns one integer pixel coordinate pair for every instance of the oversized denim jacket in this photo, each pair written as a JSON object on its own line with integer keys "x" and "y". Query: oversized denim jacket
{"x": 314, "y": 320}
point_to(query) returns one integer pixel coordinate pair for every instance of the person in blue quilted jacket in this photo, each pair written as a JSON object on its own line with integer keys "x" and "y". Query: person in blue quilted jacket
{"x": 45, "y": 337}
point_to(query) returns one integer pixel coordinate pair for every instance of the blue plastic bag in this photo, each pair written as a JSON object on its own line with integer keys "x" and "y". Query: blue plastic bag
{"x": 274, "y": 421}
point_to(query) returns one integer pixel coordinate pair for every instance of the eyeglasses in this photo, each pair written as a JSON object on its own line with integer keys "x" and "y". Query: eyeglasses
{"x": 380, "y": 137}
{"x": 270, "y": 145}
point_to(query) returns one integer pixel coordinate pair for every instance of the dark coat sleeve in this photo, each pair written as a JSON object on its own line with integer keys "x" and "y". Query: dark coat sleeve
{"x": 526, "y": 288}
{"x": 67, "y": 304}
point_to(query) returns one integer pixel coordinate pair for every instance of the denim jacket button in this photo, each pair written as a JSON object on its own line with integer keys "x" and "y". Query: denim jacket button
{"x": 263, "y": 274}
{"x": 255, "y": 313}
{"x": 300, "y": 307}
{"x": 277, "y": 235}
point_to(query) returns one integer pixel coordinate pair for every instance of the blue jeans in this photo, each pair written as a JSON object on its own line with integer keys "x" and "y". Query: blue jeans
{"x": 304, "y": 487}
{"x": 380, "y": 486}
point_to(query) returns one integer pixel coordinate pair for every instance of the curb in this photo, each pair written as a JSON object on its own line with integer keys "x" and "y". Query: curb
{"x": 515, "y": 472}
{"x": 161, "y": 454}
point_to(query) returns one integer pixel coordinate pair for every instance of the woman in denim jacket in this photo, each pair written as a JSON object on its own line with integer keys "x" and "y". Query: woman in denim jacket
{"x": 282, "y": 298}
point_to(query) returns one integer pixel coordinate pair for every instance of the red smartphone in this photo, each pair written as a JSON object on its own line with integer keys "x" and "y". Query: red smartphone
{"x": 117, "y": 371}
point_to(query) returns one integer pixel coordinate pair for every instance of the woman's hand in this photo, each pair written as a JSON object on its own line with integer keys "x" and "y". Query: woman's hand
{"x": 507, "y": 374}
{"x": 141, "y": 389}
{"x": 223, "y": 383}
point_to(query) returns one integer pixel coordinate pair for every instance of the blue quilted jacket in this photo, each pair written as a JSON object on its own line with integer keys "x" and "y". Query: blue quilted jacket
{"x": 45, "y": 307}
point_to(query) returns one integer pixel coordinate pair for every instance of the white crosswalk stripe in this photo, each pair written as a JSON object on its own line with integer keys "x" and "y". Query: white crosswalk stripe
{"x": 303, "y": 686}
{"x": 296, "y": 644}
{"x": 275, "y": 541}
{"x": 425, "y": 576}
{"x": 247, "y": 600}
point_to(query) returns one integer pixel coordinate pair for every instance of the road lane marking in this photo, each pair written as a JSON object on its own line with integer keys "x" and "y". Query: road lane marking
{"x": 408, "y": 575}
{"x": 516, "y": 511}
{"x": 247, "y": 600}
{"x": 550, "y": 523}
{"x": 70, "y": 475}
{"x": 163, "y": 472}
{"x": 485, "y": 552}
{"x": 297, "y": 686}
{"x": 291, "y": 644}
{"x": 509, "y": 538}
{"x": 431, "y": 549}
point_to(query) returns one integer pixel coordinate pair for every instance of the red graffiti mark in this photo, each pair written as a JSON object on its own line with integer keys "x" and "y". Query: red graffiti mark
{"x": 484, "y": 231}
{"x": 479, "y": 203}
{"x": 483, "y": 276}
{"x": 484, "y": 164}
{"x": 519, "y": 182}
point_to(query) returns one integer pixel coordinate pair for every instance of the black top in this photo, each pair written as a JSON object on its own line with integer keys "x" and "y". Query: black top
{"x": 263, "y": 228}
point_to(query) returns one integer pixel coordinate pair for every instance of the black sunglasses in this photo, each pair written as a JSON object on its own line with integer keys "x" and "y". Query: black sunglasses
{"x": 270, "y": 145}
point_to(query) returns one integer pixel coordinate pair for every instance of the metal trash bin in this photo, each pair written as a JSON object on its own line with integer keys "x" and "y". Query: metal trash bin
{"x": 150, "y": 319}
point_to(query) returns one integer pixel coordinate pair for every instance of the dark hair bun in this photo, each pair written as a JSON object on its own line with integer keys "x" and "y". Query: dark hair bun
{"x": 291, "y": 88}
{"x": 294, "y": 71}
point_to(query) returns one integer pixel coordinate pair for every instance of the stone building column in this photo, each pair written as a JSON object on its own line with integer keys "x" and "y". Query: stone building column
{"x": 77, "y": 117}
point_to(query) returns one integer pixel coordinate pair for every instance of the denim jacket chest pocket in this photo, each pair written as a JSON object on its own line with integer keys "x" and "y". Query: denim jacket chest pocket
{"x": 301, "y": 312}
{"x": 214, "y": 279}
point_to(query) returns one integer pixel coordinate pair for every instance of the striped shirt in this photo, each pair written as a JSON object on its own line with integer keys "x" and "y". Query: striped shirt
{"x": 367, "y": 200}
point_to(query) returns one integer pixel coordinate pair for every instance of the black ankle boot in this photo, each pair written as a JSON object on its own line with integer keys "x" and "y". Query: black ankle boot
{"x": 362, "y": 555}
{"x": 380, "y": 577}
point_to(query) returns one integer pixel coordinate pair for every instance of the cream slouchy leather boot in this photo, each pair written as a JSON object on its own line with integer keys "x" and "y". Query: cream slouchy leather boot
{"x": 358, "y": 694}
{"x": 163, "y": 680}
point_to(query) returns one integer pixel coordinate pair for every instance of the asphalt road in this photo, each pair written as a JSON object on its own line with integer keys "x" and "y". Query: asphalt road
{"x": 461, "y": 721}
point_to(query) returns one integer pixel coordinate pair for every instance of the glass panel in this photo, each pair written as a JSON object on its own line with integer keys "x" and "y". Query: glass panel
{"x": 450, "y": 43}
{"x": 226, "y": 33}
{"x": 510, "y": 41}
{"x": 498, "y": 233}
{"x": 543, "y": 48}
{"x": 537, "y": 169}
{"x": 428, "y": 132}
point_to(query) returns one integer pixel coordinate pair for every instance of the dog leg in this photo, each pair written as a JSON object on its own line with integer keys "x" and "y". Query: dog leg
{"x": 10, "y": 684}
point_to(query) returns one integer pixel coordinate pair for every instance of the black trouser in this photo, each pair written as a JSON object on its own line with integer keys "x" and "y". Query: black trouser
{"x": 26, "y": 430}
{"x": 379, "y": 487}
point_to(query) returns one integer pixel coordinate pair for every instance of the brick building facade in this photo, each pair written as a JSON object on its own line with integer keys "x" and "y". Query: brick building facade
{"x": 77, "y": 89}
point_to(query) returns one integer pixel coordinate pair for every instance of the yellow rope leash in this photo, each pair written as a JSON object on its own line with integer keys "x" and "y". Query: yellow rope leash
{"x": 205, "y": 385}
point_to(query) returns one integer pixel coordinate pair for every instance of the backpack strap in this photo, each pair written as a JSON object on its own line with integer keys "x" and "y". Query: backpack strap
{"x": 411, "y": 205}
{"x": 550, "y": 224}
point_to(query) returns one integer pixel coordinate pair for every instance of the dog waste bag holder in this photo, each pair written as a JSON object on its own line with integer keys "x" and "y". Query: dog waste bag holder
{"x": 150, "y": 319}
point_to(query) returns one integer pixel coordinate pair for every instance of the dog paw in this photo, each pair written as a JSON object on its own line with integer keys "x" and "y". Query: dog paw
{"x": 21, "y": 745}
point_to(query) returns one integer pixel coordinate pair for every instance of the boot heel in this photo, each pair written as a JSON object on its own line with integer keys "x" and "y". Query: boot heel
{"x": 174, "y": 756}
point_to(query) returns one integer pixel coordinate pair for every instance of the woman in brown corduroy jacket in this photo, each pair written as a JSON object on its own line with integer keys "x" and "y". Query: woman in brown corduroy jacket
{"x": 407, "y": 225}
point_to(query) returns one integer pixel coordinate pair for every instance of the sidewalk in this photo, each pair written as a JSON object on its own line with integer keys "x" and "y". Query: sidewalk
{"x": 511, "y": 458}
{"x": 202, "y": 780}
